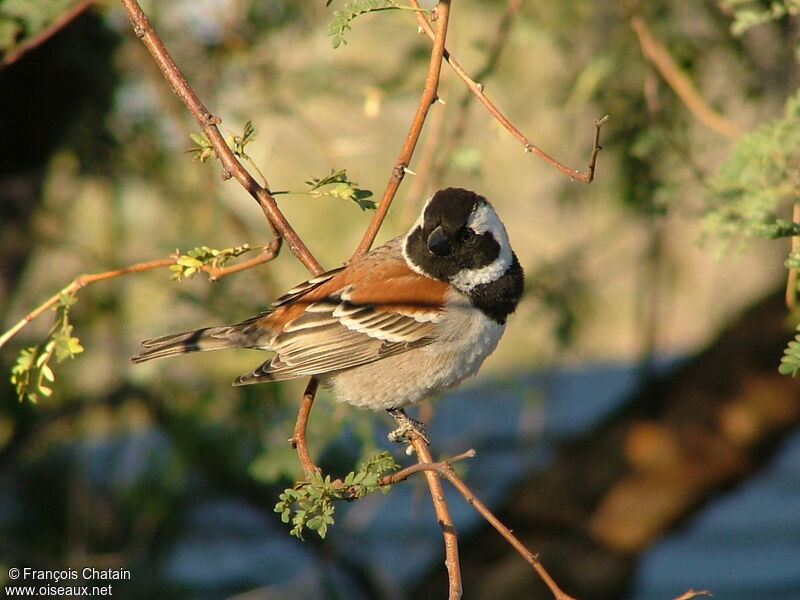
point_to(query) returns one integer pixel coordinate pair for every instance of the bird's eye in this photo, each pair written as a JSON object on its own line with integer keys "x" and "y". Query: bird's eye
{"x": 466, "y": 235}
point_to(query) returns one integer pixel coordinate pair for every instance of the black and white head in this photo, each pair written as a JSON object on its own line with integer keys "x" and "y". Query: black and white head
{"x": 459, "y": 239}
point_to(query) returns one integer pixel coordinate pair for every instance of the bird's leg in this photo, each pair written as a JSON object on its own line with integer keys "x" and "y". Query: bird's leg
{"x": 406, "y": 425}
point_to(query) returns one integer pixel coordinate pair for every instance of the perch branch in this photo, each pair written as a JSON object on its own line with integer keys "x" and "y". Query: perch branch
{"x": 427, "y": 98}
{"x": 208, "y": 122}
{"x": 298, "y": 439}
{"x": 477, "y": 89}
{"x": 45, "y": 34}
{"x": 658, "y": 55}
{"x": 442, "y": 514}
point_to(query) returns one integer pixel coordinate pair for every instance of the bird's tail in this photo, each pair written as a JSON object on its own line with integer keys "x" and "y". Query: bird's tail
{"x": 247, "y": 334}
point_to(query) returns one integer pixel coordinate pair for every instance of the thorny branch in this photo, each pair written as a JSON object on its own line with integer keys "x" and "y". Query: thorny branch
{"x": 477, "y": 89}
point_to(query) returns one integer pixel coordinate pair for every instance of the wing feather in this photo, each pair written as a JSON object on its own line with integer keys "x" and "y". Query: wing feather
{"x": 377, "y": 307}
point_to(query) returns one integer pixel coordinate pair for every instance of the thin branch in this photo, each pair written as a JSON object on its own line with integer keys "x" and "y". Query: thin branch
{"x": 298, "y": 439}
{"x": 658, "y": 55}
{"x": 269, "y": 252}
{"x": 461, "y": 118}
{"x": 76, "y": 284}
{"x": 428, "y": 97}
{"x": 404, "y": 474}
{"x": 231, "y": 166}
{"x": 434, "y": 481}
{"x": 448, "y": 473}
{"x": 477, "y": 89}
{"x": 45, "y": 34}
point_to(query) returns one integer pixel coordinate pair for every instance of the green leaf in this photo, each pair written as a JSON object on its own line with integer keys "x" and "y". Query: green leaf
{"x": 756, "y": 183}
{"x": 337, "y": 185}
{"x": 790, "y": 362}
{"x": 342, "y": 19}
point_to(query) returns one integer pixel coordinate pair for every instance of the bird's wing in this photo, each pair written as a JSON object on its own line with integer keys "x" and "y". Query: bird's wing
{"x": 376, "y": 308}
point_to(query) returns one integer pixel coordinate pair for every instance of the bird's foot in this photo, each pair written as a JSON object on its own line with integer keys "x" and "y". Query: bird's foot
{"x": 405, "y": 426}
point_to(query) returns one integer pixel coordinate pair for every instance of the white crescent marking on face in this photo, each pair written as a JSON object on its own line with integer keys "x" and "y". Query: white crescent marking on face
{"x": 483, "y": 219}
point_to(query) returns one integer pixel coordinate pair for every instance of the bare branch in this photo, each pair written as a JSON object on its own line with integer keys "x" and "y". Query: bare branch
{"x": 45, "y": 34}
{"x": 298, "y": 439}
{"x": 477, "y": 89}
{"x": 451, "y": 560}
{"x": 428, "y": 97}
{"x": 404, "y": 474}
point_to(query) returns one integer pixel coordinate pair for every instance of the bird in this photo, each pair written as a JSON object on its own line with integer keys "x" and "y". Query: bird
{"x": 405, "y": 321}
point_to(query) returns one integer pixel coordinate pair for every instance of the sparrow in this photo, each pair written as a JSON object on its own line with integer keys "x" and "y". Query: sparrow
{"x": 406, "y": 320}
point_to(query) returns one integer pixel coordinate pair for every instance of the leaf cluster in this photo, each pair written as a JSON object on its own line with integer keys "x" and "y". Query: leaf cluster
{"x": 309, "y": 504}
{"x": 195, "y": 259}
{"x": 759, "y": 178}
{"x": 337, "y": 185}
{"x": 343, "y": 18}
{"x": 203, "y": 149}
{"x": 790, "y": 361}
{"x": 32, "y": 373}
{"x": 748, "y": 13}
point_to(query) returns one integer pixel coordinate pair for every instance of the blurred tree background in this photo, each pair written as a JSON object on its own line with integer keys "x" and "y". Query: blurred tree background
{"x": 168, "y": 471}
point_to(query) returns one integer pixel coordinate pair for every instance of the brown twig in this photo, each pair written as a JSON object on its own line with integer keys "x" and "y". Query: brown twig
{"x": 434, "y": 481}
{"x": 427, "y": 98}
{"x": 231, "y": 166}
{"x": 448, "y": 473}
{"x": 269, "y": 252}
{"x": 658, "y": 55}
{"x": 45, "y": 34}
{"x": 298, "y": 439}
{"x": 445, "y": 469}
{"x": 477, "y": 90}
{"x": 461, "y": 119}
{"x": 404, "y": 474}
{"x": 76, "y": 284}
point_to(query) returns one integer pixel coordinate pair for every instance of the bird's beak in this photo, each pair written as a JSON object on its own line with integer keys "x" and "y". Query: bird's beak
{"x": 439, "y": 243}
